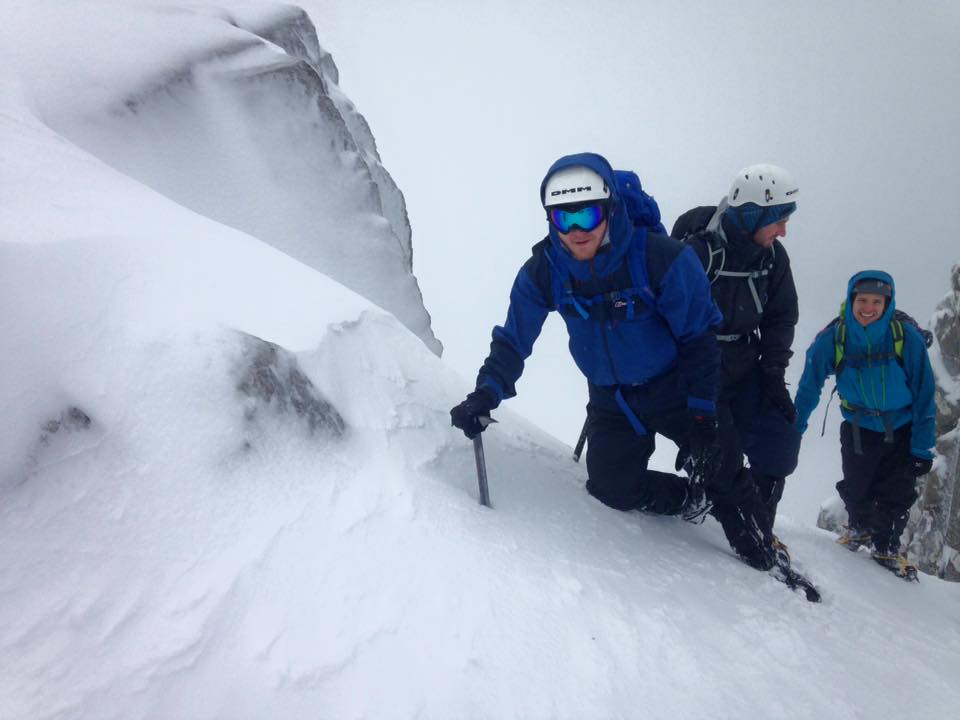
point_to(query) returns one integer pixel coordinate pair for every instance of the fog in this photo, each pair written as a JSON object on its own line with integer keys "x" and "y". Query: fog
{"x": 470, "y": 103}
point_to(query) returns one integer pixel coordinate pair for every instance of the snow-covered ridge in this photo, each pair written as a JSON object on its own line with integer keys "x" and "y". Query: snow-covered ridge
{"x": 236, "y": 114}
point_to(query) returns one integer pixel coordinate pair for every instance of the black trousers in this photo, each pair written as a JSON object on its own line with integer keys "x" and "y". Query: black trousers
{"x": 751, "y": 426}
{"x": 617, "y": 460}
{"x": 877, "y": 488}
{"x": 617, "y": 466}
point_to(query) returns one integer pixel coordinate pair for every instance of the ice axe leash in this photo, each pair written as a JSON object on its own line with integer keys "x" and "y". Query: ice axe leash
{"x": 481, "y": 462}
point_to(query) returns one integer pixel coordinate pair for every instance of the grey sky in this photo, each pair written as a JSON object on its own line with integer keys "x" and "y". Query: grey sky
{"x": 470, "y": 103}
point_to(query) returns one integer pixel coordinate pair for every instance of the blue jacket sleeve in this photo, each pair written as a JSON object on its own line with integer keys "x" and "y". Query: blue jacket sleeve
{"x": 916, "y": 364}
{"x": 817, "y": 368}
{"x": 513, "y": 341}
{"x": 684, "y": 300}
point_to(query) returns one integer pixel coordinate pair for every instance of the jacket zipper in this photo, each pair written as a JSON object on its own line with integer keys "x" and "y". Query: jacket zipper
{"x": 603, "y": 331}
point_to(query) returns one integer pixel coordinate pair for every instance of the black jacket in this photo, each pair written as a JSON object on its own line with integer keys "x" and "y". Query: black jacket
{"x": 765, "y": 334}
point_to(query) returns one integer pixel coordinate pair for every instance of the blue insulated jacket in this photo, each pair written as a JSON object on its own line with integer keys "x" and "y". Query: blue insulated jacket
{"x": 673, "y": 329}
{"x": 905, "y": 394}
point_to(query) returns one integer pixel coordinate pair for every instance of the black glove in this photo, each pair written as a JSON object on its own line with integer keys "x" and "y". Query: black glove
{"x": 704, "y": 447}
{"x": 775, "y": 393}
{"x": 919, "y": 466}
{"x": 467, "y": 414}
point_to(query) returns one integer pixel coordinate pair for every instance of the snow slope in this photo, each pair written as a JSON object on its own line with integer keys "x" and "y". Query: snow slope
{"x": 196, "y": 524}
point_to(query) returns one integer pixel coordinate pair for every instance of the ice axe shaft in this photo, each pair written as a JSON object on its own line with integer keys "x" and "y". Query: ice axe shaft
{"x": 482, "y": 464}
{"x": 581, "y": 441}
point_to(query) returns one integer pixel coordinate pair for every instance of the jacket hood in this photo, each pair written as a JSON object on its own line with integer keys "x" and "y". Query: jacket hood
{"x": 619, "y": 227}
{"x": 738, "y": 240}
{"x": 874, "y": 332}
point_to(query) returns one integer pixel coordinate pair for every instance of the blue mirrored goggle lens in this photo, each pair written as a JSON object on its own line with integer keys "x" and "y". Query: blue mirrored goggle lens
{"x": 586, "y": 218}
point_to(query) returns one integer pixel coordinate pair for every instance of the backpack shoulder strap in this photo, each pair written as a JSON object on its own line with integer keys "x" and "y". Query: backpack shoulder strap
{"x": 638, "y": 264}
{"x": 540, "y": 267}
{"x": 839, "y": 338}
{"x": 716, "y": 256}
{"x": 896, "y": 330}
{"x": 839, "y": 343}
{"x": 561, "y": 287}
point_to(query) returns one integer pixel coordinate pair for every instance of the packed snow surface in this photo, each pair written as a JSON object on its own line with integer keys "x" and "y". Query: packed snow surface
{"x": 175, "y": 545}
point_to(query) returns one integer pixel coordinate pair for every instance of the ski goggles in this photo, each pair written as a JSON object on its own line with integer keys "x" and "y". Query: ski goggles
{"x": 584, "y": 216}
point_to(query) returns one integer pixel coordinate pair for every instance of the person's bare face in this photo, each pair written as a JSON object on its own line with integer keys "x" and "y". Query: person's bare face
{"x": 868, "y": 307}
{"x": 584, "y": 245}
{"x": 765, "y": 236}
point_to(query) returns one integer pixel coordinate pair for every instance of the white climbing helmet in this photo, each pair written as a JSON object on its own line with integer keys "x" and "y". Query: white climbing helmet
{"x": 763, "y": 185}
{"x": 574, "y": 184}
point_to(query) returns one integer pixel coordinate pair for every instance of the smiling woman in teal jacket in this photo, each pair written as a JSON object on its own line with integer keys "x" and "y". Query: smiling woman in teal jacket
{"x": 886, "y": 386}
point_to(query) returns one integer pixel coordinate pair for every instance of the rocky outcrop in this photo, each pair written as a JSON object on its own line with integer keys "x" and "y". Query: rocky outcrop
{"x": 933, "y": 533}
{"x": 273, "y": 385}
{"x": 247, "y": 126}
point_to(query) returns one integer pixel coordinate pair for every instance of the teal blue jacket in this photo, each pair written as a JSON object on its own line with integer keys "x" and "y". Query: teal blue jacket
{"x": 903, "y": 390}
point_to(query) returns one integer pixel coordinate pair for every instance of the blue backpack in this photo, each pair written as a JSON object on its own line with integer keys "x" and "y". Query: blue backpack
{"x": 642, "y": 209}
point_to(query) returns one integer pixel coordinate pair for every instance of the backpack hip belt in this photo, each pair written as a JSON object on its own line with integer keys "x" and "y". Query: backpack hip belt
{"x": 860, "y": 412}
{"x": 748, "y": 338}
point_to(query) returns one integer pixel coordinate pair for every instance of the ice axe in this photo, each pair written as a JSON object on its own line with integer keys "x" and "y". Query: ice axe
{"x": 484, "y": 420}
{"x": 581, "y": 441}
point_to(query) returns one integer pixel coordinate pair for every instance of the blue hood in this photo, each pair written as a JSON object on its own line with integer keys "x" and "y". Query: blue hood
{"x": 620, "y": 229}
{"x": 873, "y": 333}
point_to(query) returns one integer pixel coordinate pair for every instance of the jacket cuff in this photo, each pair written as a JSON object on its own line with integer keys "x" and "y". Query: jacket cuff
{"x": 492, "y": 387}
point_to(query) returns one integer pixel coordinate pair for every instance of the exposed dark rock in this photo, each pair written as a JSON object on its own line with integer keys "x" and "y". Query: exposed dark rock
{"x": 933, "y": 533}
{"x": 73, "y": 418}
{"x": 272, "y": 381}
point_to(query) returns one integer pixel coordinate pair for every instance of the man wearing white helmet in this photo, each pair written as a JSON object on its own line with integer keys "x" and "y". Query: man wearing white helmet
{"x": 642, "y": 329}
{"x": 739, "y": 244}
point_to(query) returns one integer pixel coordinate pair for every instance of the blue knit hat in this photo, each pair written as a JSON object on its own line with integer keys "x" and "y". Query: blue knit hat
{"x": 750, "y": 217}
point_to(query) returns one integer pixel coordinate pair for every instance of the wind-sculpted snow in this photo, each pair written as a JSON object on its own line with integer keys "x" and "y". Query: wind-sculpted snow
{"x": 244, "y": 123}
{"x": 361, "y": 578}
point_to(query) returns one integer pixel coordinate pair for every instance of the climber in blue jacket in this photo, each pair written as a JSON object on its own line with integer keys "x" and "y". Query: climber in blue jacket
{"x": 886, "y": 386}
{"x": 642, "y": 324}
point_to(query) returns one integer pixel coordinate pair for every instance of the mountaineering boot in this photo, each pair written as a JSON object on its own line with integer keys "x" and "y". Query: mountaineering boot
{"x": 760, "y": 558}
{"x": 744, "y": 534}
{"x": 853, "y": 537}
{"x": 897, "y": 564}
